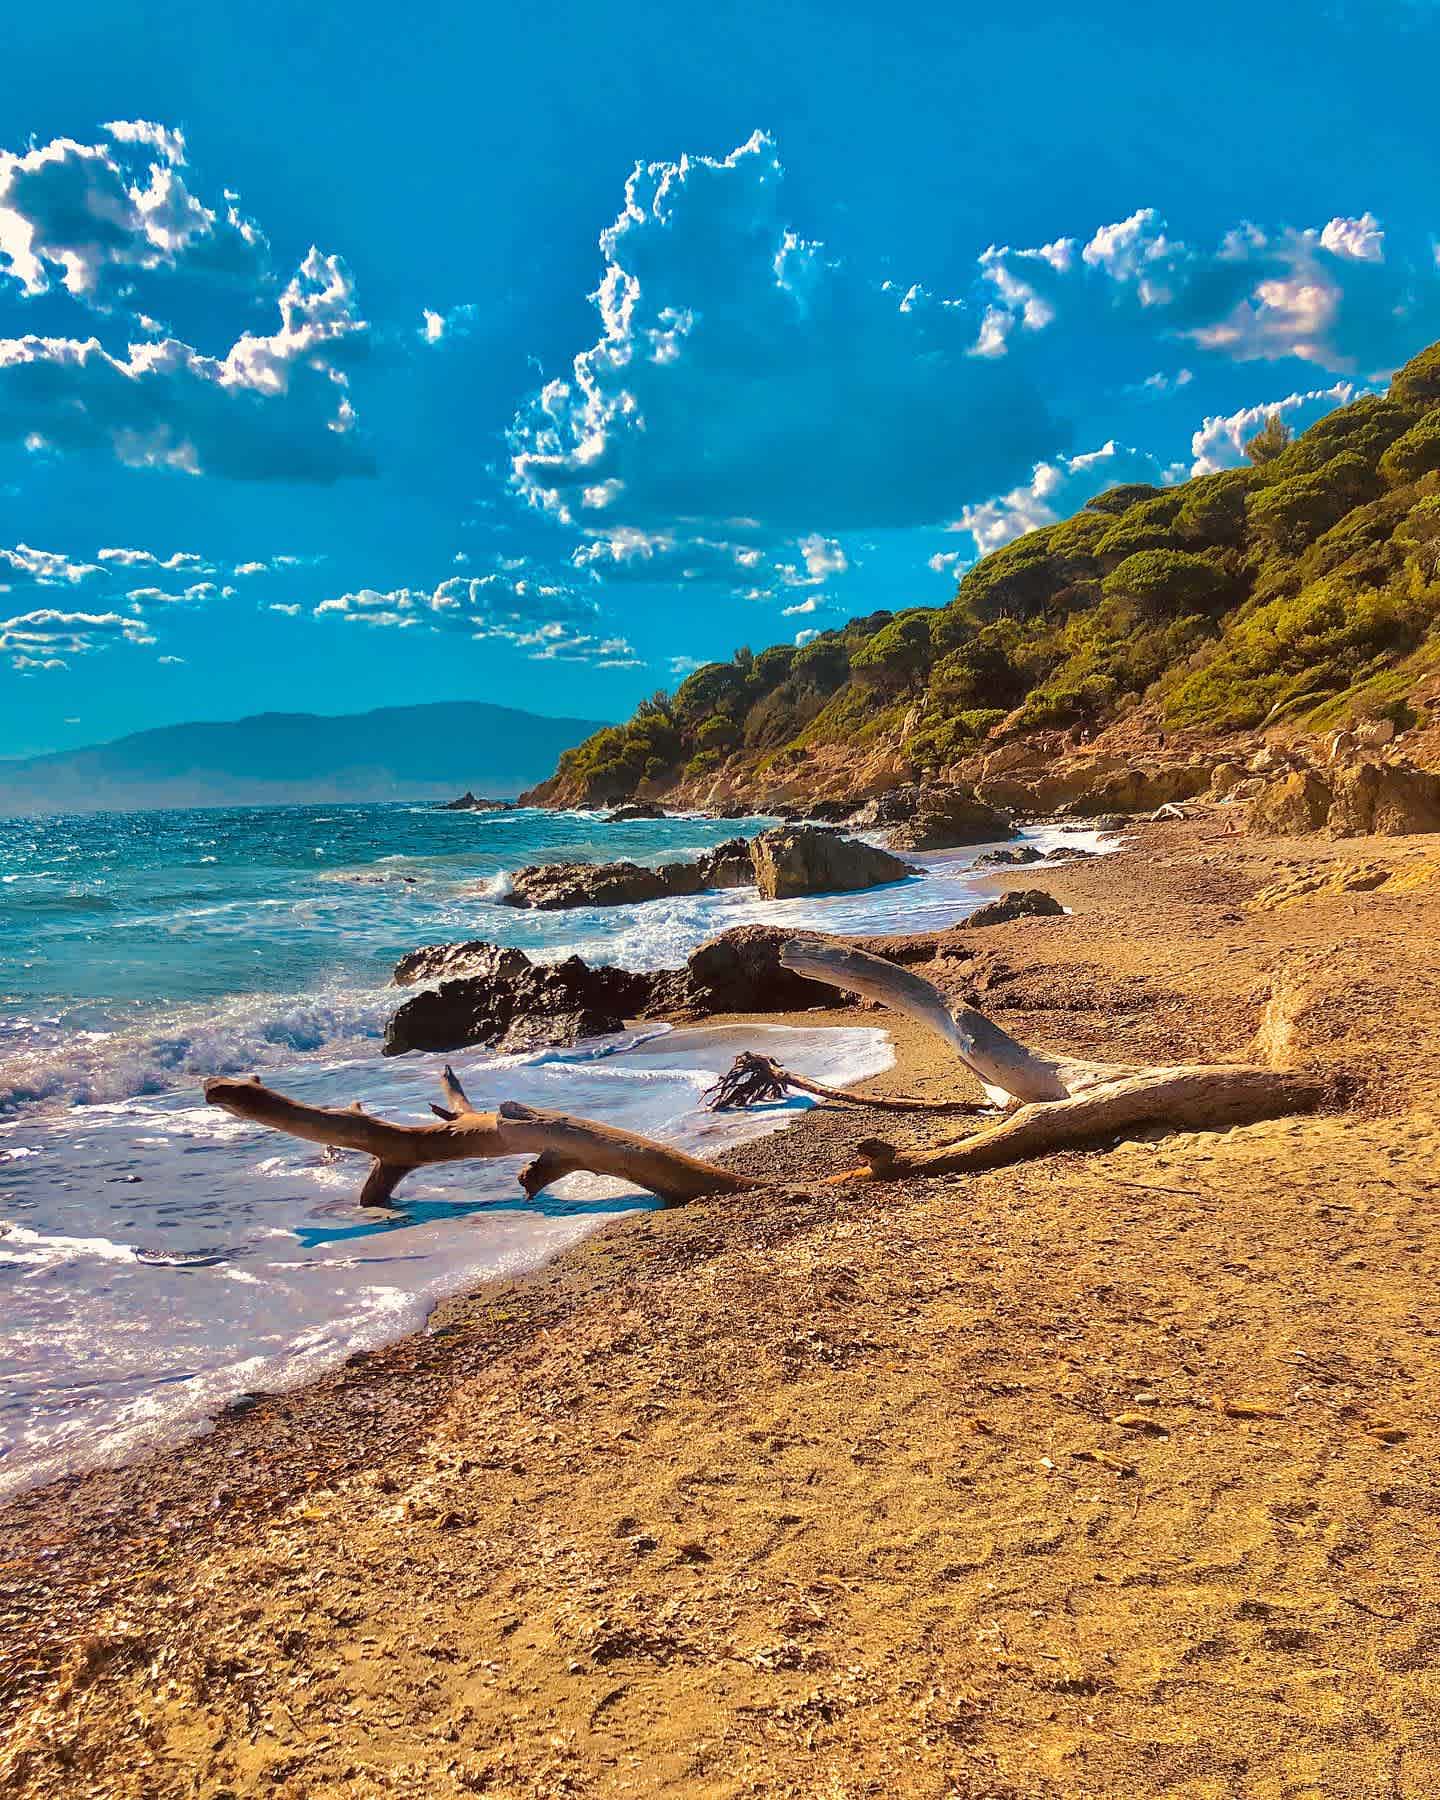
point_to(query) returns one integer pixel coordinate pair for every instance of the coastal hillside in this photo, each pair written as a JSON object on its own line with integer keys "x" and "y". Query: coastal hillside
{"x": 1297, "y": 591}
{"x": 394, "y": 752}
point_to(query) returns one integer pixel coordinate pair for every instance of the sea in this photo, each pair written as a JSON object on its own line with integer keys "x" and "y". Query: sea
{"x": 160, "y": 1260}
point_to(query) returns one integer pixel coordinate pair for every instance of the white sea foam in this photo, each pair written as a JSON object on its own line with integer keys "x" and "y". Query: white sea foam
{"x": 132, "y": 1340}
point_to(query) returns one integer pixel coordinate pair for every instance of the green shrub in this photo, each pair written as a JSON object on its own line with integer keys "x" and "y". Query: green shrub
{"x": 1166, "y": 583}
{"x": 1414, "y": 454}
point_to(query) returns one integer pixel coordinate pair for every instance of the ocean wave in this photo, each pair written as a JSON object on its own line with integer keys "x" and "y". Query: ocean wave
{"x": 45, "y": 1249}
{"x": 170, "y": 1050}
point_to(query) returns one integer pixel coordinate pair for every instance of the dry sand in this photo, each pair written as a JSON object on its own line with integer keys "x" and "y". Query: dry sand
{"x": 1108, "y": 1476}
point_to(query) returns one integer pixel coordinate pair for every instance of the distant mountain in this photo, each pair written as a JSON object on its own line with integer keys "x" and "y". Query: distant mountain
{"x": 396, "y": 752}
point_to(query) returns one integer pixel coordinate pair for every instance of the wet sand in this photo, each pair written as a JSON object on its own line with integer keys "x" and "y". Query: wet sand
{"x": 798, "y": 1493}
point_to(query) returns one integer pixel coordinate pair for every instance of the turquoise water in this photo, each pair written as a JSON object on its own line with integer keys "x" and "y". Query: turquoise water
{"x": 158, "y": 1258}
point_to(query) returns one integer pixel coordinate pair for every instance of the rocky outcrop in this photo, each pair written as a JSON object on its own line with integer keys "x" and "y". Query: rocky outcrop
{"x": 469, "y": 802}
{"x": 740, "y": 972}
{"x": 791, "y": 860}
{"x": 1098, "y": 784}
{"x": 1014, "y": 859}
{"x": 1017, "y": 903}
{"x": 1293, "y": 806}
{"x": 440, "y": 962}
{"x": 1384, "y": 799}
{"x": 635, "y": 809}
{"x": 509, "y": 1003}
{"x": 551, "y": 887}
{"x": 1362, "y": 800}
{"x": 728, "y": 865}
{"x": 1225, "y": 777}
{"x": 933, "y": 816}
{"x": 500, "y": 999}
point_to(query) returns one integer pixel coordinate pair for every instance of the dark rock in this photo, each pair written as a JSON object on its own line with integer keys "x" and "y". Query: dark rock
{"x": 932, "y": 816}
{"x": 1010, "y": 859}
{"x": 549, "y": 887}
{"x": 509, "y": 1003}
{"x": 635, "y": 809}
{"x": 829, "y": 811}
{"x": 438, "y": 962}
{"x": 1018, "y": 903}
{"x": 469, "y": 802}
{"x": 740, "y": 972}
{"x": 728, "y": 865}
{"x": 732, "y": 810}
{"x": 1067, "y": 853}
{"x": 791, "y": 860}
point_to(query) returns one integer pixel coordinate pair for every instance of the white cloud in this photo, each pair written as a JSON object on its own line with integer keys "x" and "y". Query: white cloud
{"x": 812, "y": 605}
{"x": 290, "y": 608}
{"x": 817, "y": 384}
{"x": 1362, "y": 238}
{"x": 823, "y": 556}
{"x": 1054, "y": 491}
{"x": 250, "y": 568}
{"x": 79, "y": 211}
{"x": 540, "y": 615}
{"x": 1220, "y": 442}
{"x": 42, "y": 639}
{"x": 274, "y": 407}
{"x": 802, "y": 638}
{"x": 147, "y": 559}
{"x": 26, "y": 567}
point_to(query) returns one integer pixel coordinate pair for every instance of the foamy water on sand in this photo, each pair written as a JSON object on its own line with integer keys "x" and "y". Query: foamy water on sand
{"x": 158, "y": 1258}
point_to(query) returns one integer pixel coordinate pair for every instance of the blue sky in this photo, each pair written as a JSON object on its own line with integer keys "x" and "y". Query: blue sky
{"x": 350, "y": 358}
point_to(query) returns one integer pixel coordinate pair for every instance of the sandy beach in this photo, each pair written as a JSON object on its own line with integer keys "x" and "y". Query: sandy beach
{"x": 1106, "y": 1475}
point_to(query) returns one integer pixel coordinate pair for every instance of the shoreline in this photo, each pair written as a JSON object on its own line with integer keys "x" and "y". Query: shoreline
{"x": 364, "y": 1467}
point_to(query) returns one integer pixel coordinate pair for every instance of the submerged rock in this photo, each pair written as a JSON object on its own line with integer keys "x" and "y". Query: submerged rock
{"x": 635, "y": 809}
{"x": 1017, "y": 903}
{"x": 1011, "y": 859}
{"x": 791, "y": 860}
{"x": 469, "y": 802}
{"x": 550, "y": 887}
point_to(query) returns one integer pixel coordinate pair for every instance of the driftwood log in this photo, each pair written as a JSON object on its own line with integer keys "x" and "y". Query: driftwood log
{"x": 1052, "y": 1103}
{"x": 559, "y": 1144}
{"x": 1058, "y": 1102}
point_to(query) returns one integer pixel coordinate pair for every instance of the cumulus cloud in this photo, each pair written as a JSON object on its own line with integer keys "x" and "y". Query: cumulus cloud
{"x": 812, "y": 605}
{"x": 148, "y": 559}
{"x": 751, "y": 397}
{"x": 42, "y": 639}
{"x": 823, "y": 556}
{"x": 274, "y": 407}
{"x": 26, "y": 567}
{"x": 1329, "y": 295}
{"x": 1054, "y": 490}
{"x": 77, "y": 212}
{"x": 744, "y": 373}
{"x": 545, "y": 617}
{"x": 1220, "y": 442}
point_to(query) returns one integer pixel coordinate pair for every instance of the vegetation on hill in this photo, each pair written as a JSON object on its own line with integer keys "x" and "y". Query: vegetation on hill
{"x": 1295, "y": 587}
